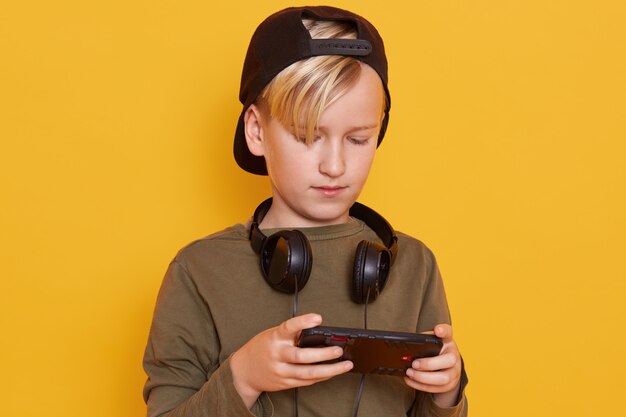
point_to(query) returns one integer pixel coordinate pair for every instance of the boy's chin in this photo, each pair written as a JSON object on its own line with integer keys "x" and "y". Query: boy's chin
{"x": 311, "y": 210}
{"x": 327, "y": 214}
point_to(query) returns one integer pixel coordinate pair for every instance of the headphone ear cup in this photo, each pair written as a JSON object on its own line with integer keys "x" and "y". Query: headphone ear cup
{"x": 285, "y": 258}
{"x": 364, "y": 274}
{"x": 371, "y": 269}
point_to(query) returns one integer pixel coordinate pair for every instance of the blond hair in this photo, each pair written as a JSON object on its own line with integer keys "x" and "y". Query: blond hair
{"x": 299, "y": 94}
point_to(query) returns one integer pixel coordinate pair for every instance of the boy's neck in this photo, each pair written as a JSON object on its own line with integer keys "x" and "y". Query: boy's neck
{"x": 286, "y": 222}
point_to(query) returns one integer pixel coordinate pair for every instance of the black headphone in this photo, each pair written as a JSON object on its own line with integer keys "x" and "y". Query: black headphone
{"x": 286, "y": 256}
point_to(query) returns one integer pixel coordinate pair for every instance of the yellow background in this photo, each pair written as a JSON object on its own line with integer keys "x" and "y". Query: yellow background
{"x": 505, "y": 154}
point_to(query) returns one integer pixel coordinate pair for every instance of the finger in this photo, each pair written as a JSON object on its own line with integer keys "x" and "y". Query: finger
{"x": 304, "y": 375}
{"x": 310, "y": 374}
{"x": 425, "y": 387}
{"x": 290, "y": 328}
{"x": 440, "y": 378}
{"x": 443, "y": 331}
{"x": 298, "y": 355}
{"x": 436, "y": 363}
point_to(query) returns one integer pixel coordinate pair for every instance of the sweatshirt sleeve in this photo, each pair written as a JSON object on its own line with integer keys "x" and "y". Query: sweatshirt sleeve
{"x": 434, "y": 311}
{"x": 181, "y": 359}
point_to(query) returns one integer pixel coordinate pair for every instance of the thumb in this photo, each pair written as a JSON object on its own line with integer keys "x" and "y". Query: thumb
{"x": 292, "y": 327}
{"x": 443, "y": 331}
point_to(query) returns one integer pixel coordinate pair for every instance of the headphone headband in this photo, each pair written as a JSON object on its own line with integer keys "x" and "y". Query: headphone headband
{"x": 256, "y": 236}
{"x": 379, "y": 225}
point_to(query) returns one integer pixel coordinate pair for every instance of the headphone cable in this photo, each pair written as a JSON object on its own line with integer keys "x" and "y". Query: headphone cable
{"x": 294, "y": 314}
{"x": 357, "y": 402}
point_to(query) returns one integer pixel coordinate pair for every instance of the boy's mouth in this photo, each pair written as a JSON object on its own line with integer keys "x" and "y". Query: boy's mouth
{"x": 330, "y": 191}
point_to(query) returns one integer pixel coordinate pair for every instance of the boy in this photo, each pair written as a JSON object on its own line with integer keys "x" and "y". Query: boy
{"x": 221, "y": 344}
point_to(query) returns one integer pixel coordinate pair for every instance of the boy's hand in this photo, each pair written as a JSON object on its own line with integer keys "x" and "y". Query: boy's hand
{"x": 440, "y": 374}
{"x": 270, "y": 361}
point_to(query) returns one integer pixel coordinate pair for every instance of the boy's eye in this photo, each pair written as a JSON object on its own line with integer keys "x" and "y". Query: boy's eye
{"x": 358, "y": 141}
{"x": 302, "y": 138}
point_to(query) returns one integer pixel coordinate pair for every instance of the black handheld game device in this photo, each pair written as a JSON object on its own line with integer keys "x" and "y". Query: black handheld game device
{"x": 374, "y": 351}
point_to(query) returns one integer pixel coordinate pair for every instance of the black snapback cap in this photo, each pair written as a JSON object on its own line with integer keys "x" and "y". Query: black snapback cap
{"x": 282, "y": 39}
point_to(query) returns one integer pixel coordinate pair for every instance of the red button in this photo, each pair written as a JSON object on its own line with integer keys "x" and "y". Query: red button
{"x": 339, "y": 338}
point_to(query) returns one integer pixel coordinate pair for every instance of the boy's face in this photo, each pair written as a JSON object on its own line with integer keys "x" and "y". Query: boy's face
{"x": 316, "y": 184}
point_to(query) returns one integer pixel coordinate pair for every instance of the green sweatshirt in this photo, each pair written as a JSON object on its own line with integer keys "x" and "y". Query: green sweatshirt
{"x": 214, "y": 299}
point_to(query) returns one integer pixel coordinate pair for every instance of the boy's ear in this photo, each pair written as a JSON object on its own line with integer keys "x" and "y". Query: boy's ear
{"x": 253, "y": 129}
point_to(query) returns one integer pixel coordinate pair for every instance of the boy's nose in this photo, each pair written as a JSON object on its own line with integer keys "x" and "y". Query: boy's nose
{"x": 332, "y": 161}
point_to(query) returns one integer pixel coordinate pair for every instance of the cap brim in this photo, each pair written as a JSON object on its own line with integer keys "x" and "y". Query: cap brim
{"x": 251, "y": 163}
